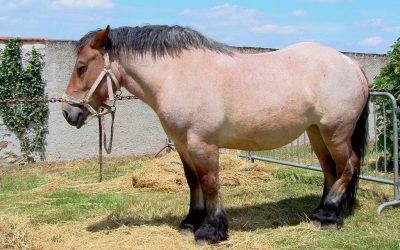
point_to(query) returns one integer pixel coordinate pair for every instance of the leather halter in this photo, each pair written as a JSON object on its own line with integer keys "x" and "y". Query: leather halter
{"x": 106, "y": 107}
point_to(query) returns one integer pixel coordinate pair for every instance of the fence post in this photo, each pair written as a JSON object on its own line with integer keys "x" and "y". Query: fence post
{"x": 250, "y": 156}
{"x": 396, "y": 200}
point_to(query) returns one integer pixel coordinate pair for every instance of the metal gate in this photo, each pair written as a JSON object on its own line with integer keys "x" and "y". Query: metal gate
{"x": 381, "y": 158}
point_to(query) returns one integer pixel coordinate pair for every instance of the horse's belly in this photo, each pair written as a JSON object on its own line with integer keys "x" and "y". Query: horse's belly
{"x": 261, "y": 139}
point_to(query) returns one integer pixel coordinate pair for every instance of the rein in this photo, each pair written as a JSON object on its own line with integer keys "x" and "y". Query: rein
{"x": 107, "y": 108}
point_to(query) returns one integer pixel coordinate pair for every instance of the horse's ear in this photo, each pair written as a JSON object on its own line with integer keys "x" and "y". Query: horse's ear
{"x": 100, "y": 38}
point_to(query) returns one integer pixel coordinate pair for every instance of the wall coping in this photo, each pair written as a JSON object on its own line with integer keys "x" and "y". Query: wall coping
{"x": 240, "y": 48}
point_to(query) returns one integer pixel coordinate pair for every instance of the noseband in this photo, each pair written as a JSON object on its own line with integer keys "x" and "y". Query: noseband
{"x": 106, "y": 107}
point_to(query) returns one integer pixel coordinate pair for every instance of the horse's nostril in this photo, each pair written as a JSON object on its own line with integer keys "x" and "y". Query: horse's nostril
{"x": 74, "y": 115}
{"x": 65, "y": 114}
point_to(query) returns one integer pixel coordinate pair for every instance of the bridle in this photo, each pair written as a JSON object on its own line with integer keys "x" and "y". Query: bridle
{"x": 108, "y": 107}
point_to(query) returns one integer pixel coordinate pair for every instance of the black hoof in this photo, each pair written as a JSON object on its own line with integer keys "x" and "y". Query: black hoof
{"x": 328, "y": 216}
{"x": 211, "y": 235}
{"x": 193, "y": 220}
{"x": 213, "y": 231}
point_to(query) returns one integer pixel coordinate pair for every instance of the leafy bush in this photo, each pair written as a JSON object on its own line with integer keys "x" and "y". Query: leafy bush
{"x": 389, "y": 80}
{"x": 389, "y": 76}
{"x": 27, "y": 121}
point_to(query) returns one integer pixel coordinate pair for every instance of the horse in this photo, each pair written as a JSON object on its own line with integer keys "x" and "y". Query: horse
{"x": 208, "y": 95}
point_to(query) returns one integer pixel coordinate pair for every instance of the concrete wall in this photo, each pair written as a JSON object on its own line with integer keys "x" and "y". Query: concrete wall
{"x": 370, "y": 63}
{"x": 137, "y": 128}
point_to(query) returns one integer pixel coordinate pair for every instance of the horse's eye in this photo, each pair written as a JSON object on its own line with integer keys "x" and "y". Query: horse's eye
{"x": 82, "y": 70}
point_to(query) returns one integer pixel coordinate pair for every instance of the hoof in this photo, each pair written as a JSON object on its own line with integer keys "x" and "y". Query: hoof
{"x": 210, "y": 234}
{"x": 328, "y": 217}
{"x": 213, "y": 230}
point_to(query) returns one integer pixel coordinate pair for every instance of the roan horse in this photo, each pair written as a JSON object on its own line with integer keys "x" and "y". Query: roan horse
{"x": 207, "y": 96}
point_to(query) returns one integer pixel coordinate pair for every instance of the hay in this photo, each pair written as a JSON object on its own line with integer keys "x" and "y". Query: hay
{"x": 18, "y": 233}
{"x": 161, "y": 174}
{"x": 14, "y": 233}
{"x": 166, "y": 173}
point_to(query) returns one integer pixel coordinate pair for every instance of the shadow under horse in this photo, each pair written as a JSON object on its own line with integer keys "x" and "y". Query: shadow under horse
{"x": 286, "y": 212}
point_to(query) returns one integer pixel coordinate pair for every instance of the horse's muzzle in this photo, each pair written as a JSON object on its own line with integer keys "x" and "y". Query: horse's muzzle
{"x": 75, "y": 114}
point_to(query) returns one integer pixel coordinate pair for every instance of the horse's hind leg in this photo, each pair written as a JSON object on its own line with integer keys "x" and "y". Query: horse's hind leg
{"x": 338, "y": 143}
{"x": 197, "y": 213}
{"x": 326, "y": 162}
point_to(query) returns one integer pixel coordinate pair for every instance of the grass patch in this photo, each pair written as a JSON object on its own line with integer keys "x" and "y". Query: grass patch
{"x": 69, "y": 205}
{"x": 17, "y": 183}
{"x": 90, "y": 173}
{"x": 267, "y": 208}
{"x": 299, "y": 176}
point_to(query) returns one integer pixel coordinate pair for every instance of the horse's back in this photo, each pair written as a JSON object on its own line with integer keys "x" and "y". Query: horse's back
{"x": 278, "y": 95}
{"x": 259, "y": 101}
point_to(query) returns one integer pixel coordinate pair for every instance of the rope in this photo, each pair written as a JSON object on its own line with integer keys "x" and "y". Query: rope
{"x": 108, "y": 147}
{"x": 165, "y": 147}
{"x": 100, "y": 148}
{"x": 103, "y": 140}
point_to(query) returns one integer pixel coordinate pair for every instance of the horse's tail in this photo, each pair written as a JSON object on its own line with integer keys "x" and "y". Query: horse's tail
{"x": 359, "y": 139}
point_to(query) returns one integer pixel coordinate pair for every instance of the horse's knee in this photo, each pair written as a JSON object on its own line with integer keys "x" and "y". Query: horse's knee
{"x": 210, "y": 184}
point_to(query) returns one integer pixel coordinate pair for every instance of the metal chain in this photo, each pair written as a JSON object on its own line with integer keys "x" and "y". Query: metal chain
{"x": 30, "y": 100}
{"x": 129, "y": 97}
{"x": 52, "y": 100}
{"x": 377, "y": 90}
{"x": 118, "y": 97}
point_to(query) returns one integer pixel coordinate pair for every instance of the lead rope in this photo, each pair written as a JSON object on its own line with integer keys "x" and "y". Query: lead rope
{"x": 108, "y": 147}
{"x": 100, "y": 148}
{"x": 103, "y": 140}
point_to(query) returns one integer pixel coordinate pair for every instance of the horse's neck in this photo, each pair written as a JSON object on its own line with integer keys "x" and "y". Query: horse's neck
{"x": 144, "y": 77}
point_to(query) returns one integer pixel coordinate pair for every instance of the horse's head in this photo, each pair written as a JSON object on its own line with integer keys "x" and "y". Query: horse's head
{"x": 88, "y": 88}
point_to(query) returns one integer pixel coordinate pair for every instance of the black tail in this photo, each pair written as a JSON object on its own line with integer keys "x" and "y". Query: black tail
{"x": 359, "y": 139}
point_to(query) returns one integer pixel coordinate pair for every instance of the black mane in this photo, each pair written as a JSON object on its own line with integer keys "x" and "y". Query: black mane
{"x": 158, "y": 40}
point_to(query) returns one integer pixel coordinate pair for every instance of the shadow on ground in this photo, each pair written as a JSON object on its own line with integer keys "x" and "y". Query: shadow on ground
{"x": 285, "y": 212}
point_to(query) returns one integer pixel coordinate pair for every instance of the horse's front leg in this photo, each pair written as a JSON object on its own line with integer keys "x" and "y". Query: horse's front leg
{"x": 205, "y": 158}
{"x": 197, "y": 212}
